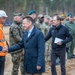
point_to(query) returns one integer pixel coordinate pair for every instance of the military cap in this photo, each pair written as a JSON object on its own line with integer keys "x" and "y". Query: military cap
{"x": 46, "y": 16}
{"x": 71, "y": 16}
{"x": 32, "y": 12}
{"x": 51, "y": 18}
{"x": 40, "y": 16}
{"x": 17, "y": 14}
{"x": 62, "y": 16}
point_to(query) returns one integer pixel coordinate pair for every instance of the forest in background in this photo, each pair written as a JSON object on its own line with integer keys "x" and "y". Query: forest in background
{"x": 49, "y": 7}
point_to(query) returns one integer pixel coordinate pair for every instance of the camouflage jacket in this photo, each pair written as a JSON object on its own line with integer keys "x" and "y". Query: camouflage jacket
{"x": 71, "y": 27}
{"x": 15, "y": 33}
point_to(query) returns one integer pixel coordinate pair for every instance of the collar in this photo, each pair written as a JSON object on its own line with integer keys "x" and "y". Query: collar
{"x": 58, "y": 27}
{"x": 17, "y": 23}
{"x": 30, "y": 29}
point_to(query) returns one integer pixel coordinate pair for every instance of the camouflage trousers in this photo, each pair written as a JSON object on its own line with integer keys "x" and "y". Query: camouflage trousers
{"x": 70, "y": 52}
{"x": 48, "y": 52}
{"x": 18, "y": 61}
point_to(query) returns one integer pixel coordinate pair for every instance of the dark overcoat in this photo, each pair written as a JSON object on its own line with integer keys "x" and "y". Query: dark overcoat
{"x": 34, "y": 47}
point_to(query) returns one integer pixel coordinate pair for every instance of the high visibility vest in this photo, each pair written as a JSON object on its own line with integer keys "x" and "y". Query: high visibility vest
{"x": 2, "y": 42}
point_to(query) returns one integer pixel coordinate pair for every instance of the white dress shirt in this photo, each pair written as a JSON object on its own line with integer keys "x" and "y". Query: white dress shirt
{"x": 29, "y": 31}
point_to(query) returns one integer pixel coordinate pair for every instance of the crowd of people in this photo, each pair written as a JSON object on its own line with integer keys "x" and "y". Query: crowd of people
{"x": 35, "y": 40}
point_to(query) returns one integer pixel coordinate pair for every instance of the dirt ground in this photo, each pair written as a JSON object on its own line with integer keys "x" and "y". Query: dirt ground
{"x": 70, "y": 64}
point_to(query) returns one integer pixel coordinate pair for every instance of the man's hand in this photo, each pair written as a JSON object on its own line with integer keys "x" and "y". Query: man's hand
{"x": 38, "y": 67}
{"x": 5, "y": 49}
{"x": 59, "y": 43}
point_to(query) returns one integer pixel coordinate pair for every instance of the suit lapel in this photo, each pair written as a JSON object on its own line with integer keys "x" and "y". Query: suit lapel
{"x": 26, "y": 35}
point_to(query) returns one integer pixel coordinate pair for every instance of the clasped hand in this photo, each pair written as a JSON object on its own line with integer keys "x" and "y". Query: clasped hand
{"x": 5, "y": 49}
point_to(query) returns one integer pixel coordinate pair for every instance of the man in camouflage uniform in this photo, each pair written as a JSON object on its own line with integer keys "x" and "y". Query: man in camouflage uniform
{"x": 45, "y": 28}
{"x": 32, "y": 14}
{"x": 40, "y": 20}
{"x": 15, "y": 34}
{"x": 71, "y": 26}
{"x": 50, "y": 22}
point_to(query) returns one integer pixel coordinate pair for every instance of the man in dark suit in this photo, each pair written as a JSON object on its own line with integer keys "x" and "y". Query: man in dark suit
{"x": 60, "y": 36}
{"x": 34, "y": 46}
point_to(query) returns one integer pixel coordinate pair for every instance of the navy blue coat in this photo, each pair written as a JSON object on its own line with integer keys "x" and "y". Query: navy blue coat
{"x": 34, "y": 47}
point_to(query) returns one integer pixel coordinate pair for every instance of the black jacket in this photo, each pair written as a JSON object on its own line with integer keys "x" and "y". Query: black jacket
{"x": 60, "y": 32}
